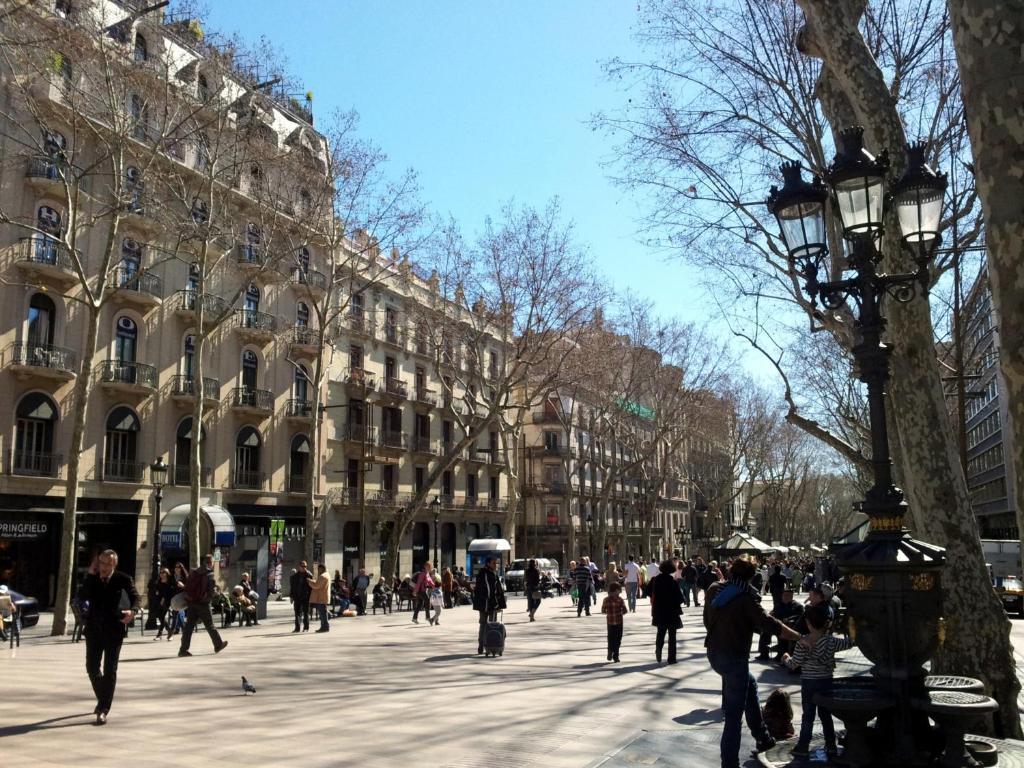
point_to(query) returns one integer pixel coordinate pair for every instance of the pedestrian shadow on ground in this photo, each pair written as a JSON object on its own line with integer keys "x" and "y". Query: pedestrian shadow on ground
{"x": 613, "y": 667}
{"x": 450, "y": 657}
{"x": 44, "y": 725}
{"x": 173, "y": 655}
{"x": 700, "y": 717}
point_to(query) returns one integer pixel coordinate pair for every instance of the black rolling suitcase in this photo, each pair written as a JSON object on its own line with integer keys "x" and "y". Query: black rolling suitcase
{"x": 494, "y": 638}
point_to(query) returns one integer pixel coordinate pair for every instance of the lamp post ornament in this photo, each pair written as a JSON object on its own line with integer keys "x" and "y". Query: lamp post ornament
{"x": 894, "y": 596}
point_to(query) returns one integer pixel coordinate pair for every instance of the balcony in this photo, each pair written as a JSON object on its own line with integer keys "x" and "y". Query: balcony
{"x": 422, "y": 347}
{"x": 256, "y": 326}
{"x": 247, "y": 480}
{"x": 187, "y": 302}
{"x": 356, "y": 324}
{"x": 303, "y": 340}
{"x": 43, "y": 360}
{"x": 381, "y": 498}
{"x": 356, "y": 433}
{"x": 183, "y": 475}
{"x": 141, "y": 289}
{"x": 422, "y": 444}
{"x": 453, "y": 405}
{"x": 391, "y": 440}
{"x": 546, "y": 417}
{"x": 117, "y": 471}
{"x": 45, "y": 173}
{"x": 138, "y": 205}
{"x": 299, "y": 409}
{"x": 45, "y": 259}
{"x": 473, "y": 502}
{"x": 394, "y": 389}
{"x": 425, "y": 398}
{"x": 309, "y": 280}
{"x": 33, "y": 463}
{"x": 392, "y": 336}
{"x": 562, "y": 451}
{"x": 476, "y": 455}
{"x": 298, "y": 484}
{"x": 497, "y": 505}
{"x": 127, "y": 376}
{"x": 259, "y": 402}
{"x": 249, "y": 256}
{"x": 183, "y": 389}
{"x": 360, "y": 381}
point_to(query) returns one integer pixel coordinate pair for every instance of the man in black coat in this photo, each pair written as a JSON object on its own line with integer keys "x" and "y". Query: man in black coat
{"x": 666, "y": 609}
{"x": 199, "y": 590}
{"x": 488, "y": 597}
{"x": 112, "y": 604}
{"x": 299, "y": 591}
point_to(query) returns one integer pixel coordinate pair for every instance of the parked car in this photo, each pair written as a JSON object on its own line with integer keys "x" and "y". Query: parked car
{"x": 1011, "y": 591}
{"x": 28, "y": 608}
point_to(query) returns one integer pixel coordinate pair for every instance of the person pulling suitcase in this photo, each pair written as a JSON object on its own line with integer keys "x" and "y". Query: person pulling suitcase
{"x": 488, "y": 599}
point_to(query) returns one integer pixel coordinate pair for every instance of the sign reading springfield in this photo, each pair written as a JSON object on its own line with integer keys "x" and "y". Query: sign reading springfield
{"x": 22, "y": 529}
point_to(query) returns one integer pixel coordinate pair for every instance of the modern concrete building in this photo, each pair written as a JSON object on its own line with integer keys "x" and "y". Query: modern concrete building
{"x": 990, "y": 477}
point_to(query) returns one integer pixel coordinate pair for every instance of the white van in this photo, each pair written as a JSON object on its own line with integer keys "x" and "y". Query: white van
{"x": 515, "y": 575}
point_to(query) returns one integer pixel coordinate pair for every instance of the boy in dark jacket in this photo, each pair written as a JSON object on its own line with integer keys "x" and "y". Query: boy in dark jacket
{"x": 614, "y": 608}
{"x": 732, "y": 614}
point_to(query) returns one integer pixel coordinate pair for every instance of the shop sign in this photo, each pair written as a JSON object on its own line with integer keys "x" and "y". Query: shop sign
{"x": 172, "y": 539}
{"x": 23, "y": 530}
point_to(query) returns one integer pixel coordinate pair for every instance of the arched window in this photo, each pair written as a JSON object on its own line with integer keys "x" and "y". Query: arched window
{"x": 33, "y": 439}
{"x": 203, "y": 88}
{"x": 250, "y": 367}
{"x": 131, "y": 260}
{"x": 125, "y": 340}
{"x": 133, "y": 189}
{"x": 247, "y": 459}
{"x": 42, "y": 315}
{"x": 302, "y": 315}
{"x": 183, "y": 449}
{"x": 62, "y": 8}
{"x": 199, "y": 212}
{"x": 252, "y": 306}
{"x": 141, "y": 52}
{"x": 54, "y": 144}
{"x": 139, "y": 117}
{"x": 255, "y": 177}
{"x": 119, "y": 457}
{"x": 48, "y": 220}
{"x": 303, "y": 261}
{"x": 188, "y": 357}
{"x": 193, "y": 278}
{"x": 299, "y": 464}
{"x": 300, "y": 388}
{"x": 305, "y": 201}
{"x": 202, "y": 153}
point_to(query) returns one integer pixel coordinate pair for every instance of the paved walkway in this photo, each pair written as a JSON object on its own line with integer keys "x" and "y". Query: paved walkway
{"x": 375, "y": 692}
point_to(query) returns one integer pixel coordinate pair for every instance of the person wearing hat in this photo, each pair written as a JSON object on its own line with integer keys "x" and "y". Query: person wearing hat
{"x": 8, "y": 610}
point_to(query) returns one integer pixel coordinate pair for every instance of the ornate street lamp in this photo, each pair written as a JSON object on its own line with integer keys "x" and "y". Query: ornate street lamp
{"x": 590, "y": 535}
{"x": 158, "y": 479}
{"x": 894, "y": 599}
{"x": 435, "y": 507}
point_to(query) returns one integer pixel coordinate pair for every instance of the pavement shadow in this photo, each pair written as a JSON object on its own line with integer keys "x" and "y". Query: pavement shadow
{"x": 154, "y": 658}
{"x": 700, "y": 717}
{"x": 44, "y": 725}
{"x": 450, "y": 657}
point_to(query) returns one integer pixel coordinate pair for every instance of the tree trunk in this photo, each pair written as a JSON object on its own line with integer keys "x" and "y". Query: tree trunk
{"x": 66, "y": 566}
{"x": 195, "y": 445}
{"x": 989, "y": 38}
{"x": 977, "y": 640}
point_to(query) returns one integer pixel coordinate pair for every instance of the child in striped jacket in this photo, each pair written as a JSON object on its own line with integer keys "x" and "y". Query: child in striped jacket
{"x": 815, "y": 656}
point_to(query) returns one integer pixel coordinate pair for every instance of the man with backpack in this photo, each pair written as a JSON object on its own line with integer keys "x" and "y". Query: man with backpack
{"x": 199, "y": 590}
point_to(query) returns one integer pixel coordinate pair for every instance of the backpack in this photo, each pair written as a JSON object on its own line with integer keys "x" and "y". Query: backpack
{"x": 195, "y": 587}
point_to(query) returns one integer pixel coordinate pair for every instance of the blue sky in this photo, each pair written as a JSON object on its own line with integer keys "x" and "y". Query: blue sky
{"x": 487, "y": 101}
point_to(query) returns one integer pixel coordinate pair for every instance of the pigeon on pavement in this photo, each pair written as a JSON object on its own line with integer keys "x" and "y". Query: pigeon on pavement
{"x": 247, "y": 687}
